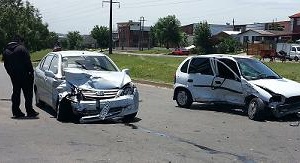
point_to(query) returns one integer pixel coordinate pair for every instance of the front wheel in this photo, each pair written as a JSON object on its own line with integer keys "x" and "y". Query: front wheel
{"x": 64, "y": 111}
{"x": 129, "y": 117}
{"x": 256, "y": 109}
{"x": 296, "y": 59}
{"x": 183, "y": 98}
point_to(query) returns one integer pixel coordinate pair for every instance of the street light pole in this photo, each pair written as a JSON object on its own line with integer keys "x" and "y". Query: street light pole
{"x": 110, "y": 23}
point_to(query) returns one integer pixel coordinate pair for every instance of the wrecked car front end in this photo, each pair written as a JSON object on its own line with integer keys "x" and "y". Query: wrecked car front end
{"x": 281, "y": 96}
{"x": 99, "y": 96}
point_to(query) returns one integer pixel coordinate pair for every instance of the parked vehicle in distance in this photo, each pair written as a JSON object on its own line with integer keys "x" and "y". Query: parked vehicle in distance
{"x": 180, "y": 51}
{"x": 239, "y": 80}
{"x": 291, "y": 51}
{"x": 85, "y": 86}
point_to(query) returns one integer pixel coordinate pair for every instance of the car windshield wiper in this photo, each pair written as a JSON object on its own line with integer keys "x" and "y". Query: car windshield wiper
{"x": 101, "y": 67}
{"x": 81, "y": 64}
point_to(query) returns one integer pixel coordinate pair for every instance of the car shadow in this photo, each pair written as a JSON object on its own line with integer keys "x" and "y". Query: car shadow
{"x": 231, "y": 109}
{"x": 48, "y": 110}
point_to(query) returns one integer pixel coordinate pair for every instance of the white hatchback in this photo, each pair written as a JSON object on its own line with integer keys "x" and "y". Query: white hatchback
{"x": 85, "y": 85}
{"x": 239, "y": 80}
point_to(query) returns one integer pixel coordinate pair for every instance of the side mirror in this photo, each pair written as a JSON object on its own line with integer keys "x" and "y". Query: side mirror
{"x": 49, "y": 74}
{"x": 126, "y": 71}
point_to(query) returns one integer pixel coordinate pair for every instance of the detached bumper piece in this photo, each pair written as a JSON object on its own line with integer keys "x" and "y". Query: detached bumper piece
{"x": 285, "y": 109}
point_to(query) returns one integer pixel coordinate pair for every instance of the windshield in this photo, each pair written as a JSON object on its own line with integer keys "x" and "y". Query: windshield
{"x": 252, "y": 69}
{"x": 97, "y": 63}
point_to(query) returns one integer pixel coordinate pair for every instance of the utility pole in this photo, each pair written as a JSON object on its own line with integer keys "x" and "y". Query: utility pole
{"x": 141, "y": 42}
{"x": 110, "y": 23}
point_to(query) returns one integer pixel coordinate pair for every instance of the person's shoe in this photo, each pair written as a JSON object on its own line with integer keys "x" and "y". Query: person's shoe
{"x": 33, "y": 114}
{"x": 19, "y": 115}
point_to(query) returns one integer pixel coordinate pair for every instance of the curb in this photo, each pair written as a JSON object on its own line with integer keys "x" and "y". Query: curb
{"x": 157, "y": 84}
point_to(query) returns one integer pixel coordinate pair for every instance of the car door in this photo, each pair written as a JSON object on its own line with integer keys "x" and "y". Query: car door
{"x": 51, "y": 81}
{"x": 40, "y": 77}
{"x": 200, "y": 77}
{"x": 227, "y": 84}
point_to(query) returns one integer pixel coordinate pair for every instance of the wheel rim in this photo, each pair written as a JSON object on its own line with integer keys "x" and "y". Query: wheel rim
{"x": 182, "y": 97}
{"x": 252, "y": 108}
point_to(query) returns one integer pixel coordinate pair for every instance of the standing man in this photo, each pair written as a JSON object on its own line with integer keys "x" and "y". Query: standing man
{"x": 19, "y": 67}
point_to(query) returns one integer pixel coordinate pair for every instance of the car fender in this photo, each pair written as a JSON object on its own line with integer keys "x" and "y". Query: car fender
{"x": 254, "y": 90}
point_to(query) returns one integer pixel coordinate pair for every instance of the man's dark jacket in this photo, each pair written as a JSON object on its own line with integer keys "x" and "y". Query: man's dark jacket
{"x": 17, "y": 60}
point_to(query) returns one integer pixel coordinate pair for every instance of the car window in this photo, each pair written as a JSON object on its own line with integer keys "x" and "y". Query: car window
{"x": 47, "y": 62}
{"x": 293, "y": 49}
{"x": 54, "y": 64}
{"x": 200, "y": 65}
{"x": 231, "y": 64}
{"x": 224, "y": 71}
{"x": 184, "y": 67}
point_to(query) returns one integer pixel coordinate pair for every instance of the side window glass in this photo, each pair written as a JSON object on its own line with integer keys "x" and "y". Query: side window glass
{"x": 54, "y": 65}
{"x": 200, "y": 65}
{"x": 185, "y": 66}
{"x": 293, "y": 49}
{"x": 47, "y": 62}
{"x": 225, "y": 72}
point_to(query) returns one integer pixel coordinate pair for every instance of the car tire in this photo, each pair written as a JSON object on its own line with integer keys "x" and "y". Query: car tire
{"x": 256, "y": 109}
{"x": 64, "y": 111}
{"x": 129, "y": 118}
{"x": 183, "y": 98}
{"x": 296, "y": 59}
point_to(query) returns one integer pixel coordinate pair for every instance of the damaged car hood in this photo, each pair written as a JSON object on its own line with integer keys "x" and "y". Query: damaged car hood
{"x": 285, "y": 87}
{"x": 87, "y": 79}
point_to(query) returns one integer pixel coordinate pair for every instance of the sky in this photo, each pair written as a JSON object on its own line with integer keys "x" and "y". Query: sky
{"x": 63, "y": 16}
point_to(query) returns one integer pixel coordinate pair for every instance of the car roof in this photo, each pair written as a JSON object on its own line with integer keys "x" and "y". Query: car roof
{"x": 220, "y": 56}
{"x": 78, "y": 53}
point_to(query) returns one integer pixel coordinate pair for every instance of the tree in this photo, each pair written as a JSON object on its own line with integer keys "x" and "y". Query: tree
{"x": 19, "y": 18}
{"x": 101, "y": 34}
{"x": 203, "y": 39}
{"x": 167, "y": 31}
{"x": 75, "y": 40}
{"x": 228, "y": 45}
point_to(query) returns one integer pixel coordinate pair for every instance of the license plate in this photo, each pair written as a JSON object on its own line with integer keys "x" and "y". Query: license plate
{"x": 104, "y": 111}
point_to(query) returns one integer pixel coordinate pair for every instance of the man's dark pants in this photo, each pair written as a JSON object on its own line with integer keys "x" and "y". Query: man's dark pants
{"x": 26, "y": 85}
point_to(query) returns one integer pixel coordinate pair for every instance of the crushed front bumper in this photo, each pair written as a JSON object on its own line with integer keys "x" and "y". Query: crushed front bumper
{"x": 95, "y": 110}
{"x": 285, "y": 109}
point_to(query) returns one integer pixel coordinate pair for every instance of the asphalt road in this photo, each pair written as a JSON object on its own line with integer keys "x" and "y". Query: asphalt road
{"x": 162, "y": 132}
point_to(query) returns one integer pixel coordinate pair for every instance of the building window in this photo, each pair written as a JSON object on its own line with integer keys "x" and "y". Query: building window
{"x": 298, "y": 21}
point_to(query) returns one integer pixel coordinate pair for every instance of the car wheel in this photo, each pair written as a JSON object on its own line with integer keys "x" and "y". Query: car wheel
{"x": 129, "y": 117}
{"x": 296, "y": 59}
{"x": 184, "y": 98}
{"x": 64, "y": 111}
{"x": 256, "y": 109}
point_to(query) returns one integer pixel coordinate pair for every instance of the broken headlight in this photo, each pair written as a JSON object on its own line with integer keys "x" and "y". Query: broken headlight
{"x": 128, "y": 89}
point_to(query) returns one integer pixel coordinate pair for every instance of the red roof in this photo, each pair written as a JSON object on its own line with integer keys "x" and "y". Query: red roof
{"x": 295, "y": 15}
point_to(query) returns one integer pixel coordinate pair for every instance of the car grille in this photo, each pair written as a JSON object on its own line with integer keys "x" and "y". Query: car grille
{"x": 292, "y": 100}
{"x": 98, "y": 95}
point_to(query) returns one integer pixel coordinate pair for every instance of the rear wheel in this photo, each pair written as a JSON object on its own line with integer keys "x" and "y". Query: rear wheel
{"x": 256, "y": 109}
{"x": 296, "y": 59}
{"x": 183, "y": 98}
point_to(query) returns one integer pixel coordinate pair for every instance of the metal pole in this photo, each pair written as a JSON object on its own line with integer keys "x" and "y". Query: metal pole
{"x": 110, "y": 28}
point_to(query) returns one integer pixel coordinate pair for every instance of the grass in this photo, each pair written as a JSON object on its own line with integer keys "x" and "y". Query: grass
{"x": 290, "y": 70}
{"x": 162, "y": 69}
{"x": 153, "y": 51}
{"x": 158, "y": 69}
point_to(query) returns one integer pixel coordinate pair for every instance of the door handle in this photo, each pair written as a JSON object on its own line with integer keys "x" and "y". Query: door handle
{"x": 217, "y": 82}
{"x": 190, "y": 80}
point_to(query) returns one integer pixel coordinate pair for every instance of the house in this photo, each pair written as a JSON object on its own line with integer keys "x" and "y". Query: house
{"x": 214, "y": 29}
{"x": 132, "y": 34}
{"x": 295, "y": 26}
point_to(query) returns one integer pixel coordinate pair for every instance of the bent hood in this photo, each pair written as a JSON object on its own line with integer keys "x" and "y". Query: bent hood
{"x": 285, "y": 87}
{"x": 87, "y": 79}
